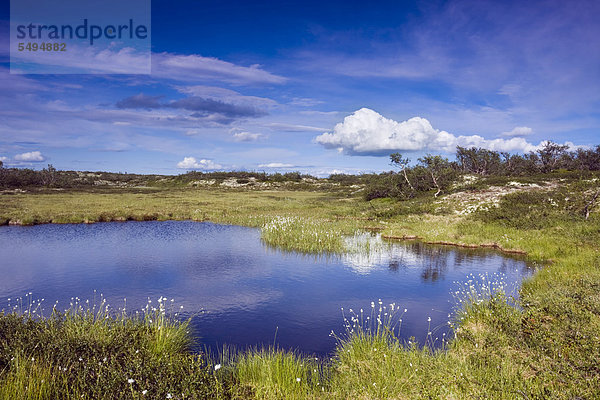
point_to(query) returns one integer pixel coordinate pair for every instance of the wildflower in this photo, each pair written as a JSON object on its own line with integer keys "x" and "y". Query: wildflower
{"x": 297, "y": 379}
{"x": 144, "y": 392}
{"x": 169, "y": 396}
{"x": 217, "y": 367}
{"x": 130, "y": 381}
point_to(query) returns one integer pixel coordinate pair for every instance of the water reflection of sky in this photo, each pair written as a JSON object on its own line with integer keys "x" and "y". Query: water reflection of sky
{"x": 237, "y": 290}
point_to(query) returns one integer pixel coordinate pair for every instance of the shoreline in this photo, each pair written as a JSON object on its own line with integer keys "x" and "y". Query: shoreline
{"x": 494, "y": 246}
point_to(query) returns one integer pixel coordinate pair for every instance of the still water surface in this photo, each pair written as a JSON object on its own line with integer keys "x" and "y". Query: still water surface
{"x": 237, "y": 290}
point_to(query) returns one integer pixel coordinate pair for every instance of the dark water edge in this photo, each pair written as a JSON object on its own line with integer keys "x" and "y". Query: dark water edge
{"x": 237, "y": 291}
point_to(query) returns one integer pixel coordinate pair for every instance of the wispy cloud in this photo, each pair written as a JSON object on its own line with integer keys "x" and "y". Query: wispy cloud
{"x": 208, "y": 106}
{"x": 277, "y": 126}
{"x": 89, "y": 59}
{"x": 276, "y": 165}
{"x": 16, "y": 84}
{"x": 195, "y": 68}
{"x": 140, "y": 101}
{"x": 305, "y": 102}
{"x": 200, "y": 106}
{"x": 226, "y": 95}
{"x": 165, "y": 65}
{"x": 518, "y": 131}
{"x": 247, "y": 137}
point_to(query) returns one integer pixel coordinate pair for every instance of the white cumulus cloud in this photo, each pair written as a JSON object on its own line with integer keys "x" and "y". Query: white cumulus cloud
{"x": 366, "y": 132}
{"x": 192, "y": 163}
{"x": 32, "y": 156}
{"x": 518, "y": 132}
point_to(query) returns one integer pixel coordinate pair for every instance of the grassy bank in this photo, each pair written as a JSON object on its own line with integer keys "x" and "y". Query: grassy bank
{"x": 290, "y": 217}
{"x": 91, "y": 353}
{"x": 546, "y": 347}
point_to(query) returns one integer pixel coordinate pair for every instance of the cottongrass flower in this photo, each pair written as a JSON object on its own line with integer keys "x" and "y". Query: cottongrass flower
{"x": 477, "y": 289}
{"x": 217, "y": 367}
{"x": 382, "y": 321}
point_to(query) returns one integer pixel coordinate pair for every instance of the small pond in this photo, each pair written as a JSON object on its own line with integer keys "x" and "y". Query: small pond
{"x": 237, "y": 290}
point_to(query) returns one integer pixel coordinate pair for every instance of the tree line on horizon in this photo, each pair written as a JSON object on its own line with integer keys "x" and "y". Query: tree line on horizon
{"x": 50, "y": 177}
{"x": 429, "y": 173}
{"x": 438, "y": 174}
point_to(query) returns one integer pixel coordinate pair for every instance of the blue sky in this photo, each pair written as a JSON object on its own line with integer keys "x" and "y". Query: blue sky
{"x": 318, "y": 87}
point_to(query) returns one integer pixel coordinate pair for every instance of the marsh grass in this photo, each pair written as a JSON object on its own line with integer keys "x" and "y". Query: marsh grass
{"x": 31, "y": 380}
{"x": 92, "y": 352}
{"x": 308, "y": 235}
{"x": 372, "y": 362}
{"x": 293, "y": 233}
{"x": 272, "y": 373}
